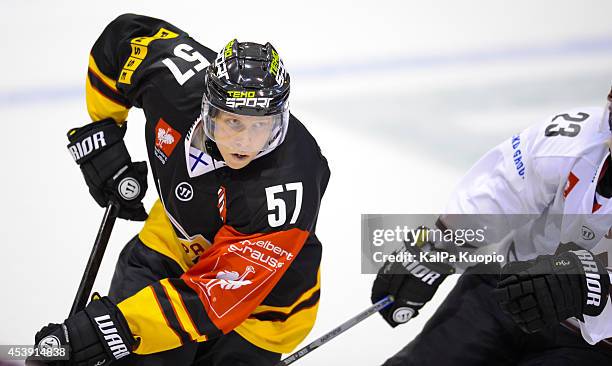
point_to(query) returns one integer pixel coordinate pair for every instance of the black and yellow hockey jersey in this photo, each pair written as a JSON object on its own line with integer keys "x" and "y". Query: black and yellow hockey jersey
{"x": 245, "y": 238}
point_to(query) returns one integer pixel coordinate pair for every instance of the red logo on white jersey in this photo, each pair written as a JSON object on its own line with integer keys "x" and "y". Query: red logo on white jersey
{"x": 572, "y": 180}
{"x": 166, "y": 140}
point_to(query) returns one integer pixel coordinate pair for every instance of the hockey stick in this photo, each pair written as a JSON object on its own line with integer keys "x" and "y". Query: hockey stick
{"x": 95, "y": 258}
{"x": 336, "y": 331}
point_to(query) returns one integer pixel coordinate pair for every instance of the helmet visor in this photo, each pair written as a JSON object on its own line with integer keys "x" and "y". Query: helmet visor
{"x": 243, "y": 134}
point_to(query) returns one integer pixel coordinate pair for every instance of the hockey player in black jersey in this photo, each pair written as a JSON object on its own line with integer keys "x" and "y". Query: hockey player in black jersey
{"x": 226, "y": 268}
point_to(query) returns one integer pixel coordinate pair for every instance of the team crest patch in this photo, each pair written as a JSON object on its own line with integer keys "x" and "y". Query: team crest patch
{"x": 166, "y": 139}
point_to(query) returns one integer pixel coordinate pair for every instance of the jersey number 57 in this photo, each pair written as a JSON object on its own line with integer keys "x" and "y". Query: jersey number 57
{"x": 187, "y": 53}
{"x": 277, "y": 204}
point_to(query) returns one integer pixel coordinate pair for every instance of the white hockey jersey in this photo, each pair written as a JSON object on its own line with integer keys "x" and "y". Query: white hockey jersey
{"x": 540, "y": 186}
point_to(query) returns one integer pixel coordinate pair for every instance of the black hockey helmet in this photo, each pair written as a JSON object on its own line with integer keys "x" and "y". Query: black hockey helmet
{"x": 248, "y": 71}
{"x": 247, "y": 79}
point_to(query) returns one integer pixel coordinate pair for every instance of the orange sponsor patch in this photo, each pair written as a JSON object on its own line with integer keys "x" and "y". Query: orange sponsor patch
{"x": 236, "y": 274}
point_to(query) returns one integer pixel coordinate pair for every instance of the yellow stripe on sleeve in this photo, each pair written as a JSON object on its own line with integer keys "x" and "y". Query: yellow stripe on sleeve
{"x": 99, "y": 106}
{"x": 148, "y": 323}
{"x": 183, "y": 316}
{"x": 107, "y": 80}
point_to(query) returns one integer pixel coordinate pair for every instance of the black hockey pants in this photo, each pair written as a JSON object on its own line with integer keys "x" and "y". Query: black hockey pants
{"x": 470, "y": 329}
{"x": 139, "y": 266}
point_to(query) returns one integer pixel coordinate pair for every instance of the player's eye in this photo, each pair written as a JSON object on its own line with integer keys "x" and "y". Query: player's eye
{"x": 261, "y": 125}
{"x": 234, "y": 124}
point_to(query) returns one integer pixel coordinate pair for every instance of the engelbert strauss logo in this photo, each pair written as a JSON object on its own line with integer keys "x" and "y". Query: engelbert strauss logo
{"x": 230, "y": 280}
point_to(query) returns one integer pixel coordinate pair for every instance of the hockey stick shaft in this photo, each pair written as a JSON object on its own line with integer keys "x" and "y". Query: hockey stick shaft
{"x": 336, "y": 331}
{"x": 95, "y": 258}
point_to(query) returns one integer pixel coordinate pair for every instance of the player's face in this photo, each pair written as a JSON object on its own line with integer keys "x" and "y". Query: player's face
{"x": 240, "y": 138}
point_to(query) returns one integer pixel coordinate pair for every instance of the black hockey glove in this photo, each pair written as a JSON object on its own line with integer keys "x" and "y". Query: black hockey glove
{"x": 412, "y": 284}
{"x": 549, "y": 289}
{"x": 98, "y": 335}
{"x": 108, "y": 169}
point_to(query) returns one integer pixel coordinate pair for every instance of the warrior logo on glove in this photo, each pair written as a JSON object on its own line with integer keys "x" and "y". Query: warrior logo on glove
{"x": 411, "y": 284}
{"x": 129, "y": 188}
{"x": 108, "y": 170}
{"x": 82, "y": 148}
{"x": 545, "y": 291}
{"x": 402, "y": 315}
{"x": 593, "y": 278}
{"x": 113, "y": 339}
{"x": 48, "y": 342}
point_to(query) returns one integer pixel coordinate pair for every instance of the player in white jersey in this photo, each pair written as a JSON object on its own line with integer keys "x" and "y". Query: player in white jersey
{"x": 546, "y": 192}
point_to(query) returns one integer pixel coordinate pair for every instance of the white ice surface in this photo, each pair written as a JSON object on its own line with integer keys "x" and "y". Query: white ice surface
{"x": 402, "y": 96}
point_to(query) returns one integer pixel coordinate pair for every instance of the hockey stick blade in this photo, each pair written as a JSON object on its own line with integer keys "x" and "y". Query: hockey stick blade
{"x": 336, "y": 331}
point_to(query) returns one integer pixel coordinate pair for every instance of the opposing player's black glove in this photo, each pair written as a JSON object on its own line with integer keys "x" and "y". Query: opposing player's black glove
{"x": 543, "y": 292}
{"x": 98, "y": 335}
{"x": 412, "y": 284}
{"x": 108, "y": 169}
